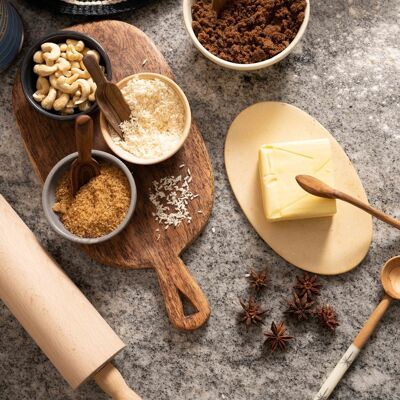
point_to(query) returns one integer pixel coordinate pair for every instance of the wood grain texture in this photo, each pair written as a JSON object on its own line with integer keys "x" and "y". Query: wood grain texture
{"x": 108, "y": 96}
{"x": 111, "y": 382}
{"x": 372, "y": 322}
{"x": 316, "y": 187}
{"x": 55, "y": 313}
{"x": 47, "y": 141}
{"x": 84, "y": 168}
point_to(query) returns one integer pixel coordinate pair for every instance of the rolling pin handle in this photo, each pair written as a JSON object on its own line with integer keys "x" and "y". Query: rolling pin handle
{"x": 111, "y": 382}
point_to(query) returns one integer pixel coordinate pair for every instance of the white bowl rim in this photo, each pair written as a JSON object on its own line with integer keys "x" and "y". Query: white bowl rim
{"x": 187, "y": 16}
{"x": 126, "y": 155}
{"x": 51, "y": 215}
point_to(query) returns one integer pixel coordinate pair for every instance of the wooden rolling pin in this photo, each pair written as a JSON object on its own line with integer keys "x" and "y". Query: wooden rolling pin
{"x": 61, "y": 320}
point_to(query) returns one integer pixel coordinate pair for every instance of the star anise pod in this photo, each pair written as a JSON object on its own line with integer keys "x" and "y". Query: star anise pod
{"x": 258, "y": 279}
{"x": 327, "y": 316}
{"x": 252, "y": 314}
{"x": 301, "y": 307}
{"x": 277, "y": 338}
{"x": 308, "y": 284}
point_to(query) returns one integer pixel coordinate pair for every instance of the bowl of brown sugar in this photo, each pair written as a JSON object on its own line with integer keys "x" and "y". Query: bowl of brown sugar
{"x": 247, "y": 35}
{"x": 99, "y": 210}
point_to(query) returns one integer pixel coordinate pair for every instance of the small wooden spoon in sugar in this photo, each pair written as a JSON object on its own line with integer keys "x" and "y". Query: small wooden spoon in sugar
{"x": 84, "y": 168}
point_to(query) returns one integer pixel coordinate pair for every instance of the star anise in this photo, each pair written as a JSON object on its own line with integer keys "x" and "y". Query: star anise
{"x": 252, "y": 314}
{"x": 308, "y": 284}
{"x": 327, "y": 316}
{"x": 258, "y": 279}
{"x": 277, "y": 338}
{"x": 301, "y": 307}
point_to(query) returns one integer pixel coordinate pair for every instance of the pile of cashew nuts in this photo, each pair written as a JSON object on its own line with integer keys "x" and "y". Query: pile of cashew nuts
{"x": 64, "y": 82}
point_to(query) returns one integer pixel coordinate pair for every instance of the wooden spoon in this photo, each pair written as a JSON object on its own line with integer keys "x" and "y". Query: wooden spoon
{"x": 390, "y": 278}
{"x": 318, "y": 188}
{"x": 84, "y": 167}
{"x": 108, "y": 96}
{"x": 219, "y": 5}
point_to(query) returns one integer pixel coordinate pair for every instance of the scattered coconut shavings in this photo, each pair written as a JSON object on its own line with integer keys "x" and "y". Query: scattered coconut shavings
{"x": 170, "y": 197}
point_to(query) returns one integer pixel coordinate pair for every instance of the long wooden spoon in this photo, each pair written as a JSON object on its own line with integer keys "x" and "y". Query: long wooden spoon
{"x": 318, "y": 188}
{"x": 390, "y": 279}
{"x": 108, "y": 96}
{"x": 84, "y": 167}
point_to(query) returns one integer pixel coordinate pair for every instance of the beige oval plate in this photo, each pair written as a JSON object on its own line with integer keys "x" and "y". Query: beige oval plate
{"x": 329, "y": 246}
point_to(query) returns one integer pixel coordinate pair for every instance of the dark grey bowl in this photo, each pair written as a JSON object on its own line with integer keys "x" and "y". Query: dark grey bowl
{"x": 49, "y": 196}
{"x": 29, "y": 78}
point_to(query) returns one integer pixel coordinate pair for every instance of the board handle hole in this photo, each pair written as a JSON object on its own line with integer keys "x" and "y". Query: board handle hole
{"x": 188, "y": 307}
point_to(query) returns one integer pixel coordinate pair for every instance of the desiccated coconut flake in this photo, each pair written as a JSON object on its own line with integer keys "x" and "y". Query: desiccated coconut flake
{"x": 170, "y": 197}
{"x": 157, "y": 119}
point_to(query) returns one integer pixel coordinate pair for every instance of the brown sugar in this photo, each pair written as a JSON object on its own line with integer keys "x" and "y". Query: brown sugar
{"x": 98, "y": 207}
{"x": 248, "y": 31}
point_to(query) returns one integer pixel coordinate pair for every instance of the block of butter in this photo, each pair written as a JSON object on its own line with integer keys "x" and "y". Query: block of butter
{"x": 279, "y": 163}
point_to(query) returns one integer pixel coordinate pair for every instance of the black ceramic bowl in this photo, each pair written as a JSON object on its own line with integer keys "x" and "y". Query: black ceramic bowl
{"x": 29, "y": 78}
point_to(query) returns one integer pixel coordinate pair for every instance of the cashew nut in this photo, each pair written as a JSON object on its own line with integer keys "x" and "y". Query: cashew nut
{"x": 73, "y": 54}
{"x": 51, "y": 52}
{"x": 75, "y": 64}
{"x": 61, "y": 101}
{"x": 84, "y": 106}
{"x": 63, "y": 47}
{"x": 67, "y": 85}
{"x": 84, "y": 74}
{"x": 63, "y": 64}
{"x": 85, "y": 90}
{"x": 48, "y": 101}
{"x": 44, "y": 70}
{"x": 93, "y": 87}
{"x": 38, "y": 57}
{"x": 43, "y": 87}
{"x": 67, "y": 111}
{"x": 77, "y": 44}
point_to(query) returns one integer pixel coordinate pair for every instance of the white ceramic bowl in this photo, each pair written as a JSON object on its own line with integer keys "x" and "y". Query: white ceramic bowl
{"x": 126, "y": 155}
{"x": 187, "y": 16}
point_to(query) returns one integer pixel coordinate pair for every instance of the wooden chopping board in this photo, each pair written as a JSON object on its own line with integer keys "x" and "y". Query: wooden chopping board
{"x": 328, "y": 246}
{"x": 47, "y": 141}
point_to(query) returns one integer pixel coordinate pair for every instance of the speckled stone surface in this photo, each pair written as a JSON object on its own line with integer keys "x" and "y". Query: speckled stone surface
{"x": 344, "y": 73}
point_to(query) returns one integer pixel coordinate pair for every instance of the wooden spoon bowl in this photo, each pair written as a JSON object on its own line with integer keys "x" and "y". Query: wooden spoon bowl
{"x": 390, "y": 277}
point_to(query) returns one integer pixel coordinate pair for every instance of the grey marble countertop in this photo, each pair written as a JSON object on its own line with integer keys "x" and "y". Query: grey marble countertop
{"x": 346, "y": 74}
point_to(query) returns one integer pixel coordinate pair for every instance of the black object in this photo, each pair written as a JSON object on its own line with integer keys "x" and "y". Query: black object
{"x": 29, "y": 78}
{"x": 87, "y": 8}
{"x": 11, "y": 34}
